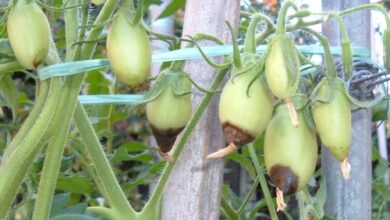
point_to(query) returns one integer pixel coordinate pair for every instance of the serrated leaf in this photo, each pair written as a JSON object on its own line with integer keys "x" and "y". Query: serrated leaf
{"x": 171, "y": 8}
{"x": 9, "y": 95}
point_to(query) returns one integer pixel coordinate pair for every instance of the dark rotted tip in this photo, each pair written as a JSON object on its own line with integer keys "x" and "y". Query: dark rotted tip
{"x": 284, "y": 179}
{"x": 165, "y": 138}
{"x": 236, "y": 135}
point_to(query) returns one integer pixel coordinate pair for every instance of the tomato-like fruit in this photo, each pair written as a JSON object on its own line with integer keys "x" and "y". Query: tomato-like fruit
{"x": 129, "y": 50}
{"x": 244, "y": 113}
{"x": 169, "y": 113}
{"x": 282, "y": 66}
{"x": 333, "y": 120}
{"x": 29, "y": 33}
{"x": 290, "y": 152}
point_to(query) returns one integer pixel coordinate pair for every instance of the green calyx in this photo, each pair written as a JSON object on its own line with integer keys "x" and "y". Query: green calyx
{"x": 129, "y": 50}
{"x": 282, "y": 66}
{"x": 245, "y": 104}
{"x": 290, "y": 152}
{"x": 29, "y": 33}
{"x": 332, "y": 117}
{"x": 171, "y": 105}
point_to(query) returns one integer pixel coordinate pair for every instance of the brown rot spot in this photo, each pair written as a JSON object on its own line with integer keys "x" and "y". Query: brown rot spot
{"x": 165, "y": 138}
{"x": 236, "y": 135}
{"x": 284, "y": 179}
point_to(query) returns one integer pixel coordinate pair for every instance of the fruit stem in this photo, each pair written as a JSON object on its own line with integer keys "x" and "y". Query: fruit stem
{"x": 292, "y": 112}
{"x": 250, "y": 37}
{"x": 223, "y": 152}
{"x": 330, "y": 67}
{"x": 346, "y": 169}
{"x": 236, "y": 50}
{"x": 263, "y": 182}
{"x": 378, "y": 7}
{"x": 281, "y": 22}
{"x": 280, "y": 200}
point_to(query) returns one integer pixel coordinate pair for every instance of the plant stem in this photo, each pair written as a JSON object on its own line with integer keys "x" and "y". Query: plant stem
{"x": 10, "y": 67}
{"x": 330, "y": 67}
{"x": 378, "y": 7}
{"x": 281, "y": 22}
{"x": 116, "y": 198}
{"x": 29, "y": 122}
{"x": 158, "y": 190}
{"x": 263, "y": 182}
{"x": 51, "y": 167}
{"x": 13, "y": 171}
{"x": 229, "y": 211}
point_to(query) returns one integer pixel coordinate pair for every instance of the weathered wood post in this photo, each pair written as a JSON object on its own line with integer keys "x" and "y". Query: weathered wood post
{"x": 193, "y": 191}
{"x": 351, "y": 199}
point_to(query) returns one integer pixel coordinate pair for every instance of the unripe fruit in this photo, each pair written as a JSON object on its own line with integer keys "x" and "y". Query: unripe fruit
{"x": 333, "y": 121}
{"x": 282, "y": 67}
{"x": 29, "y": 33}
{"x": 290, "y": 152}
{"x": 129, "y": 50}
{"x": 169, "y": 113}
{"x": 244, "y": 116}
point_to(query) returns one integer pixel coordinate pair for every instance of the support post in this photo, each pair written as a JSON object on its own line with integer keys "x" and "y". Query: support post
{"x": 351, "y": 199}
{"x": 193, "y": 190}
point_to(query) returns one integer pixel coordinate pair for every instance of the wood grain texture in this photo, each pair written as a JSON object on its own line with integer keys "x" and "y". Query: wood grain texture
{"x": 351, "y": 199}
{"x": 193, "y": 190}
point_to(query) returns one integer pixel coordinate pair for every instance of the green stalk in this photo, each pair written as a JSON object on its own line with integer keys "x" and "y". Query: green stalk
{"x": 10, "y": 67}
{"x": 51, "y": 168}
{"x": 263, "y": 182}
{"x": 13, "y": 171}
{"x": 346, "y": 49}
{"x": 22, "y": 157}
{"x": 378, "y": 7}
{"x": 71, "y": 23}
{"x": 236, "y": 50}
{"x": 110, "y": 120}
{"x": 29, "y": 122}
{"x": 116, "y": 196}
{"x": 281, "y": 22}
{"x": 229, "y": 212}
{"x": 158, "y": 190}
{"x": 250, "y": 37}
{"x": 330, "y": 67}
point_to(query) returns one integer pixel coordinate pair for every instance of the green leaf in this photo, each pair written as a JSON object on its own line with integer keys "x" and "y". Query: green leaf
{"x": 244, "y": 162}
{"x": 122, "y": 155}
{"x": 135, "y": 146}
{"x": 9, "y": 95}
{"x": 74, "y": 217}
{"x": 84, "y": 185}
{"x": 59, "y": 202}
{"x": 172, "y": 8}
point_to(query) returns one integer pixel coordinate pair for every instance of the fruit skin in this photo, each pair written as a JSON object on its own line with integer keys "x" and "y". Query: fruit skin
{"x": 169, "y": 113}
{"x": 290, "y": 152}
{"x": 282, "y": 67}
{"x": 333, "y": 121}
{"x": 244, "y": 116}
{"x": 29, "y": 33}
{"x": 129, "y": 51}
